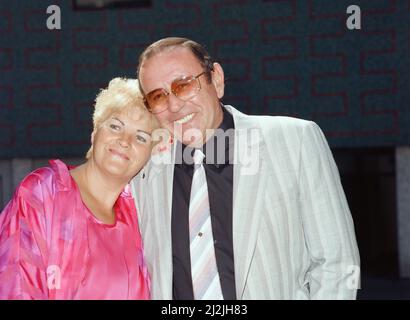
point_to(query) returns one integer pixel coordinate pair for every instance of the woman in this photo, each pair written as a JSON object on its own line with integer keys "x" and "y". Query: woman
{"x": 72, "y": 233}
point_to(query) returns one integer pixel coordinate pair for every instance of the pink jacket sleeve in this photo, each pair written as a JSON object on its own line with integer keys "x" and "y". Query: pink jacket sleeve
{"x": 23, "y": 249}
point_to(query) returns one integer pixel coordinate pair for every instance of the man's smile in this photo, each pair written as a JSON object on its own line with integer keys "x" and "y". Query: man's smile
{"x": 185, "y": 119}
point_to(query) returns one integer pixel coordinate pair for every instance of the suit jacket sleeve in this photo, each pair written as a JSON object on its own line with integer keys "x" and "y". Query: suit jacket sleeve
{"x": 327, "y": 222}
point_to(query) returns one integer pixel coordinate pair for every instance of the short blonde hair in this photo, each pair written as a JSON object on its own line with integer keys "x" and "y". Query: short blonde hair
{"x": 121, "y": 93}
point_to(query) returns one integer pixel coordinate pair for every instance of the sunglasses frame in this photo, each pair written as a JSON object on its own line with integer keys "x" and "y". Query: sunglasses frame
{"x": 167, "y": 93}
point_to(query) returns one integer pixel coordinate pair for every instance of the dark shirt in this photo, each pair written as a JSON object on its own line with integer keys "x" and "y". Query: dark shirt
{"x": 219, "y": 176}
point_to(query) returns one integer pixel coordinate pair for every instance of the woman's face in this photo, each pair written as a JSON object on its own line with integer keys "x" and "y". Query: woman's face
{"x": 122, "y": 143}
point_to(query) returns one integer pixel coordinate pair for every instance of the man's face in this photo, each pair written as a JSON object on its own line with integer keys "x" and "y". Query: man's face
{"x": 200, "y": 113}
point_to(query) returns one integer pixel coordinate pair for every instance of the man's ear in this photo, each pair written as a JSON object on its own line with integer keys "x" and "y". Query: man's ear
{"x": 218, "y": 80}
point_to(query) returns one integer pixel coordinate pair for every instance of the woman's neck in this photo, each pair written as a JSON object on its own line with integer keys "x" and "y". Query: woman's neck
{"x": 98, "y": 191}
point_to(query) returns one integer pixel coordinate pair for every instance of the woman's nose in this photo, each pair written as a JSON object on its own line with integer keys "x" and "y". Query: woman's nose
{"x": 125, "y": 140}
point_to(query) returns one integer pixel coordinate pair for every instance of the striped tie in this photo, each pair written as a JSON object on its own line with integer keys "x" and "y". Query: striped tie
{"x": 205, "y": 277}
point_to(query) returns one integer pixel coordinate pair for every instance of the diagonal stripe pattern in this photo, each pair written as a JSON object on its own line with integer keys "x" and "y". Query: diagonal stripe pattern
{"x": 205, "y": 276}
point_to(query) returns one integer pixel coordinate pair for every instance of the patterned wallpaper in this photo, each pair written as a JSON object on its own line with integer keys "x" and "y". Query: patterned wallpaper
{"x": 281, "y": 57}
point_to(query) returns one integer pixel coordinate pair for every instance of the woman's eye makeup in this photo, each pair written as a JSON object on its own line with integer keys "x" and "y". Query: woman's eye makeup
{"x": 114, "y": 126}
{"x": 141, "y": 139}
{"x": 141, "y": 136}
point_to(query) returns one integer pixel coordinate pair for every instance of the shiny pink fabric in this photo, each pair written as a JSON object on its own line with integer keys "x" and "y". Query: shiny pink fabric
{"x": 52, "y": 247}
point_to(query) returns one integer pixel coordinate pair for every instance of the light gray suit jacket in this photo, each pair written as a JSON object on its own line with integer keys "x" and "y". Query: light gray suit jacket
{"x": 293, "y": 235}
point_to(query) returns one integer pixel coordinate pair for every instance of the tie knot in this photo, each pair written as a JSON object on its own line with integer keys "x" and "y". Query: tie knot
{"x": 198, "y": 156}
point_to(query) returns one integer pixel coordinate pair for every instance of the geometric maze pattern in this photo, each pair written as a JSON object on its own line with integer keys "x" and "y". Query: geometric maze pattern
{"x": 280, "y": 57}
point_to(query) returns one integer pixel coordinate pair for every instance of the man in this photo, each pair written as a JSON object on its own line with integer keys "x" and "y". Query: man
{"x": 275, "y": 227}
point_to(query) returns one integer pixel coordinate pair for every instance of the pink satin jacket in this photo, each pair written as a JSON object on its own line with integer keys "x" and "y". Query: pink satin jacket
{"x": 52, "y": 246}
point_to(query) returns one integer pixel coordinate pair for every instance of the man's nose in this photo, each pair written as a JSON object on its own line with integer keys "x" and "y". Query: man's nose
{"x": 174, "y": 104}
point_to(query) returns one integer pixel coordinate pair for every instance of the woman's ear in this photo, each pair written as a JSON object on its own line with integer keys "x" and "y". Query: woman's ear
{"x": 92, "y": 136}
{"x": 218, "y": 80}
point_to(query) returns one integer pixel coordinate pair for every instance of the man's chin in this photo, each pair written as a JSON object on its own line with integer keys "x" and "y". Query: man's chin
{"x": 193, "y": 143}
{"x": 191, "y": 136}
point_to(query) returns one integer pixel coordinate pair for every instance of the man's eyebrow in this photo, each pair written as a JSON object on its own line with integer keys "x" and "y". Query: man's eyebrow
{"x": 119, "y": 121}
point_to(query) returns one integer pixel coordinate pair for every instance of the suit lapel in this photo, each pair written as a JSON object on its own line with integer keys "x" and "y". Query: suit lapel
{"x": 248, "y": 189}
{"x": 161, "y": 178}
{"x": 248, "y": 185}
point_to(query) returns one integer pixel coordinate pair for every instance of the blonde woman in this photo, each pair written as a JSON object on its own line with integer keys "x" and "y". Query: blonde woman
{"x": 72, "y": 233}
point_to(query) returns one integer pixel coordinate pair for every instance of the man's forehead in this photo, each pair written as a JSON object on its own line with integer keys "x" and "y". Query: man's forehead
{"x": 161, "y": 69}
{"x": 181, "y": 56}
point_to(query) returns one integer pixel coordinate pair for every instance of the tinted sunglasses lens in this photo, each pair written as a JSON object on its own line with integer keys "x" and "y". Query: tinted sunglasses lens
{"x": 157, "y": 100}
{"x": 186, "y": 88}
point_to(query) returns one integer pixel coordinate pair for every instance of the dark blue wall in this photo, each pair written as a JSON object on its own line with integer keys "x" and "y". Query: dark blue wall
{"x": 281, "y": 57}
